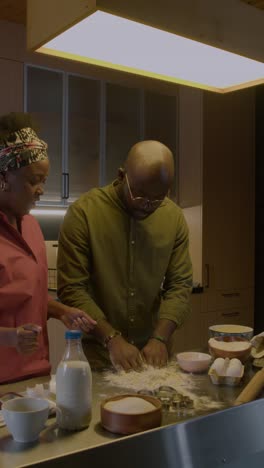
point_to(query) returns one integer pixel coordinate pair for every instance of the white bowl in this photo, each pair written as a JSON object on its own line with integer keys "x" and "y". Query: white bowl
{"x": 192, "y": 361}
{"x": 231, "y": 330}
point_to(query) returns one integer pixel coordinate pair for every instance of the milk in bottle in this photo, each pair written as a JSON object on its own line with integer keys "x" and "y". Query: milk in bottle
{"x": 73, "y": 385}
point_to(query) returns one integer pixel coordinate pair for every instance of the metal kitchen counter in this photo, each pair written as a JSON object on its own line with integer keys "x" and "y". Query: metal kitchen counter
{"x": 54, "y": 443}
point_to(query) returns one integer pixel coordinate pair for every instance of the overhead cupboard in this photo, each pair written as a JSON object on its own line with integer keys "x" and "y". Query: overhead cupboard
{"x": 90, "y": 125}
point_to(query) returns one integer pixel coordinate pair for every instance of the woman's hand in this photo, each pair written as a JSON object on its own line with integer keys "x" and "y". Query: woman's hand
{"x": 77, "y": 319}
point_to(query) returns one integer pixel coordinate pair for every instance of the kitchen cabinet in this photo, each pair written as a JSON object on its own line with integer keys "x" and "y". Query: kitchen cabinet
{"x": 160, "y": 123}
{"x": 90, "y": 125}
{"x": 122, "y": 126}
{"x": 67, "y": 109}
{"x": 228, "y": 204}
{"x": 82, "y": 135}
{"x": 216, "y": 192}
{"x": 228, "y": 189}
{"x": 11, "y": 86}
{"x": 188, "y": 337}
{"x": 44, "y": 101}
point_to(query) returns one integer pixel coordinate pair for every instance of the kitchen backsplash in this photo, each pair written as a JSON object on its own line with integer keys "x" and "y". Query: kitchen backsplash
{"x": 52, "y": 249}
{"x": 50, "y": 226}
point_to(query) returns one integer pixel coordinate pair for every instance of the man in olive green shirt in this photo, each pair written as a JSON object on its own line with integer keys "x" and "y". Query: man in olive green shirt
{"x": 123, "y": 258}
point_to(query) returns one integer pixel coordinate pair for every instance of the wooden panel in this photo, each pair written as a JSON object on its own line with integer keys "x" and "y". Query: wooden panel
{"x": 190, "y": 147}
{"x": 228, "y": 197}
{"x": 13, "y": 11}
{"x": 226, "y": 299}
{"x": 255, "y": 3}
{"x": 11, "y": 86}
{"x": 188, "y": 337}
{"x": 46, "y": 19}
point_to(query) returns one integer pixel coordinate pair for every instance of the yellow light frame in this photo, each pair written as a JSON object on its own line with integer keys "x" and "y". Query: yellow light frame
{"x": 124, "y": 10}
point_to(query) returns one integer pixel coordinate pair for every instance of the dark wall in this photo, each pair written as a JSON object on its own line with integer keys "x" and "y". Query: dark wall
{"x": 259, "y": 246}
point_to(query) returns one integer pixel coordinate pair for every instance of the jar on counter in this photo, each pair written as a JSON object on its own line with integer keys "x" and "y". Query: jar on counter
{"x": 73, "y": 385}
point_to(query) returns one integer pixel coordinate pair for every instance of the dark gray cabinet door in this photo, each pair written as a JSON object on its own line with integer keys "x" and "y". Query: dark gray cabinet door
{"x": 44, "y": 100}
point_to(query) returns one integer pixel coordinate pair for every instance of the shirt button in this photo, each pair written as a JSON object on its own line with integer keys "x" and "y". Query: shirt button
{"x": 132, "y": 242}
{"x": 132, "y": 294}
{"x": 131, "y": 319}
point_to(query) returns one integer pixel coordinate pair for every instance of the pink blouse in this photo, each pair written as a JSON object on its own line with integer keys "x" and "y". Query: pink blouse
{"x": 23, "y": 295}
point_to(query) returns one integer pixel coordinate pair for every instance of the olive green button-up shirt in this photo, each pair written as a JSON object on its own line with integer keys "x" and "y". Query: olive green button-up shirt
{"x": 126, "y": 271}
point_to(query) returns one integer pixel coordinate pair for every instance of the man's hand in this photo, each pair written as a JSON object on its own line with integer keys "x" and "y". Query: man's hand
{"x": 155, "y": 353}
{"x": 124, "y": 354}
{"x": 77, "y": 319}
{"x": 25, "y": 338}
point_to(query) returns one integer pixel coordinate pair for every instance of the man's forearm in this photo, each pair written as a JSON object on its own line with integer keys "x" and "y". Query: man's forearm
{"x": 56, "y": 309}
{"x": 164, "y": 329}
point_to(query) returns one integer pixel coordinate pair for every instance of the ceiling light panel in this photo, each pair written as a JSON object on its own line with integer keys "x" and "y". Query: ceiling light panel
{"x": 114, "y": 42}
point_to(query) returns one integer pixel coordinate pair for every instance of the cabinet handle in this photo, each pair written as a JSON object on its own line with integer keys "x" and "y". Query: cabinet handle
{"x": 230, "y": 314}
{"x": 65, "y": 185}
{"x": 207, "y": 275}
{"x": 231, "y": 294}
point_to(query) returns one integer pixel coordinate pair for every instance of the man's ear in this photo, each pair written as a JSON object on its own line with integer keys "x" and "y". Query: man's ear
{"x": 121, "y": 174}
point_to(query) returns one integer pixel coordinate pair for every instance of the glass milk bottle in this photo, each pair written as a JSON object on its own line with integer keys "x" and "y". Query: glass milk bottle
{"x": 73, "y": 385}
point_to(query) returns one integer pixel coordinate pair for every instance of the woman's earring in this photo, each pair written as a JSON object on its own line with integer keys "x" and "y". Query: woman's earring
{"x": 3, "y": 186}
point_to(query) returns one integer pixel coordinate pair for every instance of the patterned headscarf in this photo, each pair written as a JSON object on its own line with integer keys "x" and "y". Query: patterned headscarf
{"x": 21, "y": 148}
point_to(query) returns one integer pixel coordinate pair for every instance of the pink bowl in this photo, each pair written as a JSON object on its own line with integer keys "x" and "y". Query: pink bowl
{"x": 192, "y": 361}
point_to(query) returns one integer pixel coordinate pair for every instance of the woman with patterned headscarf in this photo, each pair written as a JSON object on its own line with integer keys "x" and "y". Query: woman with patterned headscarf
{"x": 24, "y": 302}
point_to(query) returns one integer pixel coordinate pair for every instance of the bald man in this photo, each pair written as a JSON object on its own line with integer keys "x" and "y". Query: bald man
{"x": 123, "y": 258}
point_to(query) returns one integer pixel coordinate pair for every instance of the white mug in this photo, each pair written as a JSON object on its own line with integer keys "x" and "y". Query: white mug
{"x": 25, "y": 417}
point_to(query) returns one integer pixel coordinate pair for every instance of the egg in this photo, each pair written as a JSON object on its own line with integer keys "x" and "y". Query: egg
{"x": 235, "y": 362}
{"x": 219, "y": 366}
{"x": 234, "y": 368}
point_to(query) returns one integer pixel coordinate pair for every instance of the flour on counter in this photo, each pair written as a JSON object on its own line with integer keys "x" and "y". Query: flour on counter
{"x": 151, "y": 378}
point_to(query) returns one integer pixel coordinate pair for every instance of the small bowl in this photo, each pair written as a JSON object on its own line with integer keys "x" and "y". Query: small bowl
{"x": 242, "y": 354}
{"x": 192, "y": 361}
{"x": 231, "y": 330}
{"x": 127, "y": 423}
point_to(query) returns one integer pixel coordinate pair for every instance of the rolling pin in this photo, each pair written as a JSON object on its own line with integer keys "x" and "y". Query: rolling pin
{"x": 252, "y": 389}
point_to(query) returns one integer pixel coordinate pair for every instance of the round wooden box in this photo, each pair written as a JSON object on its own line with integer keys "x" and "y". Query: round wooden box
{"x": 124, "y": 423}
